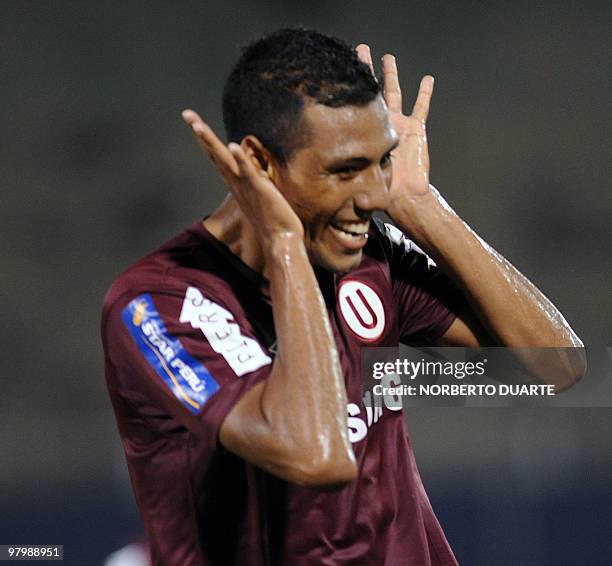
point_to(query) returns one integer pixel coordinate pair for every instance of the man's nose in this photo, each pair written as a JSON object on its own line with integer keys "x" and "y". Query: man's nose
{"x": 375, "y": 193}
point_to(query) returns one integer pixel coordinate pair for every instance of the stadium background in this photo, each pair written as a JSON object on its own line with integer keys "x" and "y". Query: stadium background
{"x": 97, "y": 168}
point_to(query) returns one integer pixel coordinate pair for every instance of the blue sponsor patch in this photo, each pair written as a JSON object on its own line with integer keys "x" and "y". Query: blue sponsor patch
{"x": 187, "y": 378}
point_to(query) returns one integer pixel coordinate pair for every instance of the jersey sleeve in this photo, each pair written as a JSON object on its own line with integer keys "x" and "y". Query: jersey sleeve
{"x": 180, "y": 358}
{"x": 427, "y": 300}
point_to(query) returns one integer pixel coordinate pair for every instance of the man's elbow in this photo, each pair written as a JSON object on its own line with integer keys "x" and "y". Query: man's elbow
{"x": 562, "y": 366}
{"x": 575, "y": 367}
{"x": 330, "y": 472}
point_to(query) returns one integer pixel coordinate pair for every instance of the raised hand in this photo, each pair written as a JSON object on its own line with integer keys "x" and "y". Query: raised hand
{"x": 259, "y": 199}
{"x": 411, "y": 157}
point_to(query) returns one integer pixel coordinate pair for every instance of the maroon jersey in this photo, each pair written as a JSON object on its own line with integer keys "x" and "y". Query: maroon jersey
{"x": 188, "y": 330}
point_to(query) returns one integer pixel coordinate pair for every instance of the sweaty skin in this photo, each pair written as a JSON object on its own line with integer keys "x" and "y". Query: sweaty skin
{"x": 294, "y": 423}
{"x": 507, "y": 309}
{"x": 315, "y": 210}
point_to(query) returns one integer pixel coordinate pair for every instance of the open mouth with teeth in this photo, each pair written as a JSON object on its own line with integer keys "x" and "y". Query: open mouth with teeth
{"x": 351, "y": 232}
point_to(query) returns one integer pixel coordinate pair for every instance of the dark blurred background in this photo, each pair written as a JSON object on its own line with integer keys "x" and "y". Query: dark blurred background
{"x": 98, "y": 169}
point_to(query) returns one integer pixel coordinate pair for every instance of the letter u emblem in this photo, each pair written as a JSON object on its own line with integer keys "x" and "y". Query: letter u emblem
{"x": 361, "y": 309}
{"x": 365, "y": 305}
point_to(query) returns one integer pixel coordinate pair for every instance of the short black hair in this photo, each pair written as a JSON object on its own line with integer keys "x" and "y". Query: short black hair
{"x": 265, "y": 92}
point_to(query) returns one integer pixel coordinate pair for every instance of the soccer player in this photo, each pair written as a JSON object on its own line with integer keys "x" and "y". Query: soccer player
{"x": 233, "y": 350}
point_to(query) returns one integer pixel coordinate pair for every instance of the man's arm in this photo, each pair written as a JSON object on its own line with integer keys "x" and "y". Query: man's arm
{"x": 513, "y": 311}
{"x": 294, "y": 423}
{"x": 506, "y": 308}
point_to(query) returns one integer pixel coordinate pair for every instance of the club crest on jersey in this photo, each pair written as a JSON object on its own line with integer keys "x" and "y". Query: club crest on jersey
{"x": 361, "y": 309}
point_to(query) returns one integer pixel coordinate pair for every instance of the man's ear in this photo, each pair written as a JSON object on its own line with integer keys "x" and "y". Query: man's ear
{"x": 260, "y": 157}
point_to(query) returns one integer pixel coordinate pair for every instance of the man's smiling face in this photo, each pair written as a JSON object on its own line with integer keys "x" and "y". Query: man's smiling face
{"x": 338, "y": 178}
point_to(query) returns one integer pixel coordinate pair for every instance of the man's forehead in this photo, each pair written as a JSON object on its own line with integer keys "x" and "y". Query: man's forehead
{"x": 347, "y": 130}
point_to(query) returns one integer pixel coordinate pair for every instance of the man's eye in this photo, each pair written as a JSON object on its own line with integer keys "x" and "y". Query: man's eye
{"x": 346, "y": 171}
{"x": 386, "y": 160}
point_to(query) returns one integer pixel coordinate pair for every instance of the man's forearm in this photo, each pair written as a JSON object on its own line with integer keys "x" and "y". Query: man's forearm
{"x": 294, "y": 424}
{"x": 305, "y": 397}
{"x": 513, "y": 311}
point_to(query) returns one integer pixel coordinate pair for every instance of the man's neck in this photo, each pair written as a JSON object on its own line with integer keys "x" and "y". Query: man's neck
{"x": 229, "y": 225}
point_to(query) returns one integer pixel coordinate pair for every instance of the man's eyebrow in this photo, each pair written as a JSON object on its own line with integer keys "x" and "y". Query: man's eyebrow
{"x": 349, "y": 161}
